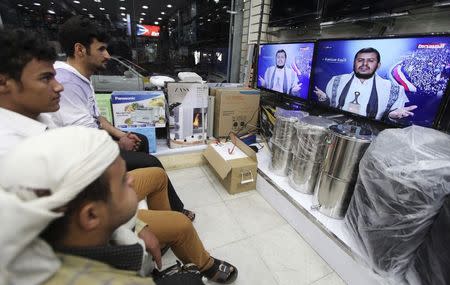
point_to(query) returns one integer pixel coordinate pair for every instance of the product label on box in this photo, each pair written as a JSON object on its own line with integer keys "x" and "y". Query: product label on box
{"x": 228, "y": 151}
{"x": 139, "y": 108}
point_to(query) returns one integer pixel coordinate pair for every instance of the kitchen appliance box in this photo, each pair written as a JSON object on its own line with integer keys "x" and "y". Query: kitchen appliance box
{"x": 235, "y": 110}
{"x": 236, "y": 175}
{"x": 104, "y": 105}
{"x": 139, "y": 108}
{"x": 187, "y": 113}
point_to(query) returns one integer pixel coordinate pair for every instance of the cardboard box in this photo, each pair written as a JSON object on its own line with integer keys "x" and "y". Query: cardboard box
{"x": 237, "y": 171}
{"x": 146, "y": 108}
{"x": 104, "y": 106}
{"x": 148, "y": 132}
{"x": 188, "y": 109}
{"x": 213, "y": 90}
{"x": 235, "y": 111}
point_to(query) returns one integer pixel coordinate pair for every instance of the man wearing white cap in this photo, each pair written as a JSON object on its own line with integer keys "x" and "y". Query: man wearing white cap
{"x": 28, "y": 88}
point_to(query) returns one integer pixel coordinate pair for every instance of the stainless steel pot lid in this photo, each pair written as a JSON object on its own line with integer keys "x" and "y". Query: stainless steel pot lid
{"x": 354, "y": 132}
{"x": 317, "y": 121}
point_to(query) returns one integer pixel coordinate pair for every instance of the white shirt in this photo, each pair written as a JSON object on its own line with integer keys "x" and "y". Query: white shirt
{"x": 278, "y": 80}
{"x": 15, "y": 127}
{"x": 364, "y": 89}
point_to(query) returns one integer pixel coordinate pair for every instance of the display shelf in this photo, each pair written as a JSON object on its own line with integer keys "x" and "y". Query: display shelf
{"x": 326, "y": 235}
{"x": 162, "y": 148}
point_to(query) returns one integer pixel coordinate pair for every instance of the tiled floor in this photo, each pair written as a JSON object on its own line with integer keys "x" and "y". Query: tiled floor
{"x": 246, "y": 231}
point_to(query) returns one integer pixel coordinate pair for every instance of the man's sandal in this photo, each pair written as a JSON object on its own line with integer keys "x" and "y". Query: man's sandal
{"x": 189, "y": 214}
{"x": 221, "y": 272}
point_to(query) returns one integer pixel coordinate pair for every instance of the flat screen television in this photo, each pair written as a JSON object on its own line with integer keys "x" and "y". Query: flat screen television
{"x": 404, "y": 86}
{"x": 286, "y": 68}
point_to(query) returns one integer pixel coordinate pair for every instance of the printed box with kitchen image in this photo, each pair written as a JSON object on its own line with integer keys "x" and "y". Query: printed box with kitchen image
{"x": 148, "y": 132}
{"x": 188, "y": 107}
{"x": 139, "y": 108}
{"x": 235, "y": 110}
{"x": 234, "y": 163}
{"x": 104, "y": 105}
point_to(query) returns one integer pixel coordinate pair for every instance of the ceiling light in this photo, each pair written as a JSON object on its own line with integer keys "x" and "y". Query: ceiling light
{"x": 122, "y": 8}
{"x": 102, "y": 9}
{"x": 169, "y": 6}
{"x": 37, "y": 4}
{"x": 209, "y": 20}
{"x": 20, "y": 5}
{"x": 122, "y": 0}
{"x": 217, "y": 1}
{"x": 51, "y": 12}
{"x": 97, "y": 1}
{"x": 84, "y": 9}
{"x": 156, "y": 22}
{"x": 91, "y": 16}
{"x": 76, "y": 1}
{"x": 122, "y": 14}
{"x": 163, "y": 13}
{"x": 143, "y": 14}
{"x": 124, "y": 19}
{"x": 160, "y": 18}
{"x": 144, "y": 7}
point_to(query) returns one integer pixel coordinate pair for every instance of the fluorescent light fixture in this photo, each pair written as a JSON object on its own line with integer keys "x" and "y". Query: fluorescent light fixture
{"x": 84, "y": 9}
{"x": 76, "y": 1}
{"x": 122, "y": 8}
{"x": 91, "y": 16}
{"x": 124, "y": 19}
{"x": 20, "y": 5}
{"x": 51, "y": 12}
{"x": 97, "y": 1}
{"x": 329, "y": 23}
{"x": 163, "y": 13}
{"x": 160, "y": 18}
{"x": 122, "y": 14}
{"x": 143, "y": 14}
{"x": 169, "y": 6}
{"x": 156, "y": 23}
{"x": 102, "y": 9}
{"x": 145, "y": 7}
{"x": 37, "y": 4}
{"x": 399, "y": 14}
{"x": 442, "y": 4}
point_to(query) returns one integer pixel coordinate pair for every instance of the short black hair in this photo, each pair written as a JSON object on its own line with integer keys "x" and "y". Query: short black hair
{"x": 96, "y": 191}
{"x": 368, "y": 50}
{"x": 80, "y": 29}
{"x": 281, "y": 51}
{"x": 18, "y": 47}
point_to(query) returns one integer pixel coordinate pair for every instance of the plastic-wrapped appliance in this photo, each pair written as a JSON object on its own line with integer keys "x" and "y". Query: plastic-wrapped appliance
{"x": 334, "y": 188}
{"x": 308, "y": 152}
{"x": 281, "y": 145}
{"x": 404, "y": 178}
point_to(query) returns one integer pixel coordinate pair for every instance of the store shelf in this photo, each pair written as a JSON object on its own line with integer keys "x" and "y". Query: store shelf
{"x": 326, "y": 235}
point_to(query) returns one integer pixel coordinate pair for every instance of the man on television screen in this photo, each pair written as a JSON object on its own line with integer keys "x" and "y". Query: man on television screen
{"x": 280, "y": 78}
{"x": 364, "y": 92}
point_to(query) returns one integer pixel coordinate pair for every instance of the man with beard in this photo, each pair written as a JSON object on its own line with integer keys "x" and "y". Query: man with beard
{"x": 86, "y": 47}
{"x": 280, "y": 77}
{"x": 364, "y": 92}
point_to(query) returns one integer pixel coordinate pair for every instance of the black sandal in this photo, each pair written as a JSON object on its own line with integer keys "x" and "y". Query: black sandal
{"x": 221, "y": 272}
{"x": 189, "y": 214}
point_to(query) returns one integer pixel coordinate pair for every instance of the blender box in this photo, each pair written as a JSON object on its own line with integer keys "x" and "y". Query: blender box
{"x": 146, "y": 108}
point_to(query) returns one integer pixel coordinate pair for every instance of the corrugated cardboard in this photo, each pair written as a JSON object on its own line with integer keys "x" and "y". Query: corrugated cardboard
{"x": 237, "y": 175}
{"x": 235, "y": 110}
{"x": 213, "y": 90}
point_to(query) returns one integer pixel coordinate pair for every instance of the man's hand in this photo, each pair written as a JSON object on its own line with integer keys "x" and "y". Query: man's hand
{"x": 262, "y": 82}
{"x": 129, "y": 142}
{"x": 320, "y": 94}
{"x": 296, "y": 88}
{"x": 151, "y": 245}
{"x": 402, "y": 112}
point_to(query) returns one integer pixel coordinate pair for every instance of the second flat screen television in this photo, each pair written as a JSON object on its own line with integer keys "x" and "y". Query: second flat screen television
{"x": 286, "y": 68}
{"x": 396, "y": 80}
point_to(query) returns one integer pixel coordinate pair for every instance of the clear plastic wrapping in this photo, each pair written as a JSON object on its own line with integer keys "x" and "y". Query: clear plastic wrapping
{"x": 403, "y": 180}
{"x": 431, "y": 261}
{"x": 284, "y": 132}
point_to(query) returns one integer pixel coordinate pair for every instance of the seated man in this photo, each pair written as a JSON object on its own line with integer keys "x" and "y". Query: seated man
{"x": 28, "y": 87}
{"x": 85, "y": 45}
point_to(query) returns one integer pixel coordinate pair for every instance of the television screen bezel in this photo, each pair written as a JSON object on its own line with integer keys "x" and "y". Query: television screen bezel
{"x": 280, "y": 95}
{"x": 314, "y": 103}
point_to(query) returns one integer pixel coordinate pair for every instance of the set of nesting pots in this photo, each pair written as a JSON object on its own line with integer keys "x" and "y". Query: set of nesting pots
{"x": 320, "y": 158}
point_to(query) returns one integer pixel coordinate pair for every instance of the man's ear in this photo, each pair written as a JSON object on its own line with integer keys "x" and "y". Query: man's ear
{"x": 90, "y": 216}
{"x": 79, "y": 50}
{"x": 4, "y": 86}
